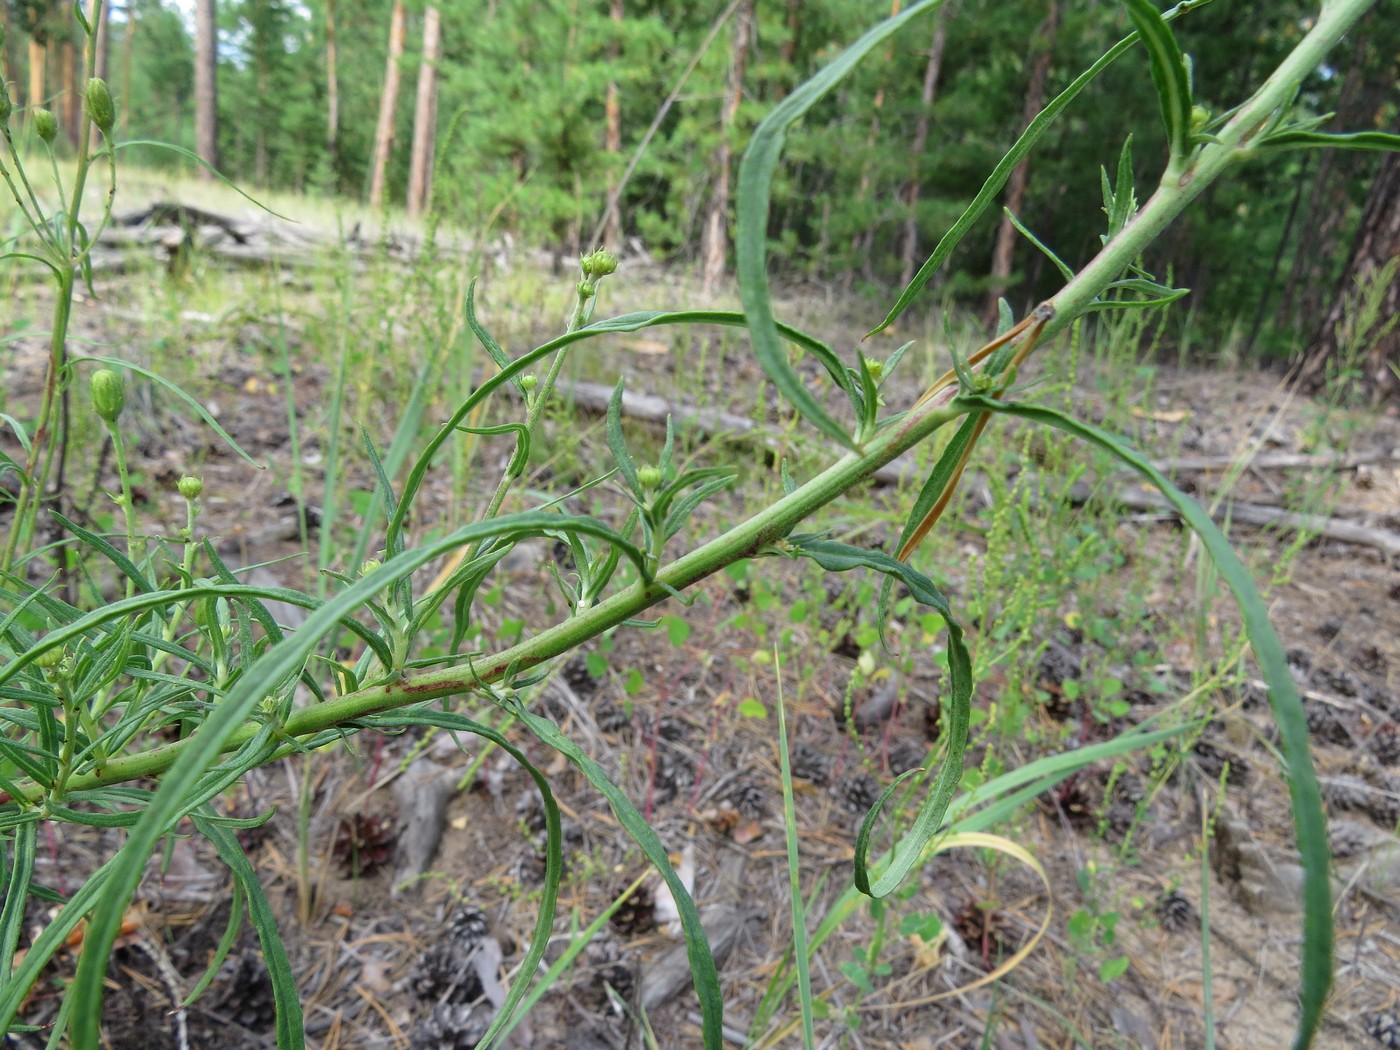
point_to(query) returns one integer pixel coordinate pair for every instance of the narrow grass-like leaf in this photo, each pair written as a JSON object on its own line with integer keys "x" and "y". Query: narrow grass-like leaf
{"x": 226, "y": 942}
{"x": 488, "y": 342}
{"x": 617, "y": 441}
{"x": 1310, "y": 825}
{"x": 754, "y": 191}
{"x": 123, "y": 563}
{"x": 554, "y": 854}
{"x": 997, "y": 179}
{"x": 279, "y": 968}
{"x": 799, "y": 913}
{"x": 191, "y": 155}
{"x": 624, "y": 323}
{"x": 702, "y": 962}
{"x": 1358, "y": 140}
{"x": 1043, "y": 248}
{"x": 842, "y": 557}
{"x": 1169, "y": 73}
{"x": 17, "y": 878}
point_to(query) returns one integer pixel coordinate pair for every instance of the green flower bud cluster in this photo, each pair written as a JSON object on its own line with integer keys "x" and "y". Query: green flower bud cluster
{"x": 99, "y": 105}
{"x": 49, "y": 658}
{"x": 108, "y": 391}
{"x": 598, "y": 264}
{"x": 45, "y": 126}
{"x": 190, "y": 487}
{"x": 649, "y": 477}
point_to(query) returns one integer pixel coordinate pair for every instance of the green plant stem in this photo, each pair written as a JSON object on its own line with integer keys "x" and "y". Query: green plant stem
{"x": 1232, "y": 145}
{"x": 540, "y": 397}
{"x": 41, "y": 447}
{"x": 766, "y": 528}
{"x": 128, "y": 511}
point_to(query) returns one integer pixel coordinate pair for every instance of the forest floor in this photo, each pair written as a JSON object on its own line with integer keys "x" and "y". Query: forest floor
{"x": 683, "y": 719}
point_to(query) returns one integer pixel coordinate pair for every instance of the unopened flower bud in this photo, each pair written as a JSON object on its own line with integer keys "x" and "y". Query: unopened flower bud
{"x": 648, "y": 477}
{"x": 108, "y": 394}
{"x": 45, "y": 125}
{"x": 49, "y": 658}
{"x": 370, "y": 565}
{"x": 599, "y": 263}
{"x": 529, "y": 381}
{"x": 190, "y": 487}
{"x": 99, "y": 105}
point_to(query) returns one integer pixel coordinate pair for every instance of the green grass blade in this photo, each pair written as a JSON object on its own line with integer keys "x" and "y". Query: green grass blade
{"x": 1170, "y": 75}
{"x": 799, "y": 912}
{"x": 754, "y": 192}
{"x": 1310, "y": 825}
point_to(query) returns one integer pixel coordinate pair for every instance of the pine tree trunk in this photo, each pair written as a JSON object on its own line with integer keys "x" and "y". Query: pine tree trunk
{"x": 101, "y": 44}
{"x": 863, "y": 242}
{"x": 1373, "y": 258}
{"x": 714, "y": 240}
{"x": 388, "y": 102}
{"x": 128, "y": 44}
{"x": 332, "y": 96}
{"x": 420, "y": 168}
{"x": 70, "y": 71}
{"x": 38, "y": 56}
{"x": 612, "y": 132}
{"x": 916, "y": 148}
{"x": 1020, "y": 175}
{"x": 206, "y": 97}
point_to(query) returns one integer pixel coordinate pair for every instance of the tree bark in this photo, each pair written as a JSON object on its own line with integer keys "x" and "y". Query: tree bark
{"x": 916, "y": 148}
{"x": 70, "y": 77}
{"x": 420, "y": 168}
{"x": 714, "y": 240}
{"x": 388, "y": 102}
{"x": 206, "y": 91}
{"x": 1373, "y": 331}
{"x": 612, "y": 132}
{"x": 1020, "y": 175}
{"x": 37, "y": 58}
{"x": 332, "y": 96}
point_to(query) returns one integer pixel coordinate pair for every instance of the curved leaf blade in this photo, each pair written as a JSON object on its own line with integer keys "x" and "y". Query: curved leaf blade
{"x": 754, "y": 192}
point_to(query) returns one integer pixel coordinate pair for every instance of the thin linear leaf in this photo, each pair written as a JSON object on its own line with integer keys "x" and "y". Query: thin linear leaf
{"x": 1310, "y": 826}
{"x": 842, "y": 557}
{"x": 199, "y": 409}
{"x": 1291, "y": 138}
{"x": 632, "y": 322}
{"x": 554, "y": 853}
{"x": 1169, "y": 73}
{"x": 488, "y": 342}
{"x": 290, "y": 1035}
{"x": 17, "y": 879}
{"x": 997, "y": 179}
{"x": 753, "y": 195}
{"x": 702, "y": 962}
